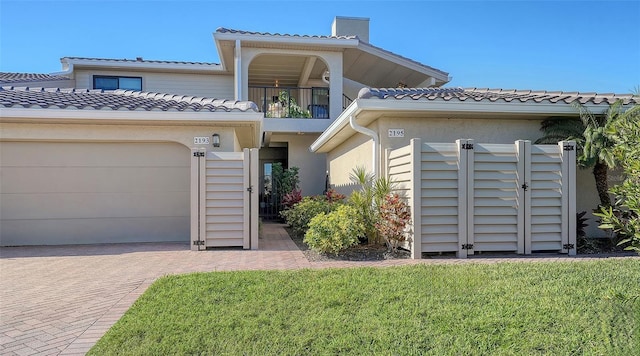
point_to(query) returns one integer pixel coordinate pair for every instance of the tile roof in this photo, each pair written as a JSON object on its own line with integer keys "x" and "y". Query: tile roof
{"x": 226, "y": 30}
{"x": 6, "y": 77}
{"x": 137, "y": 60}
{"x": 495, "y": 95}
{"x": 123, "y": 100}
{"x": 240, "y": 32}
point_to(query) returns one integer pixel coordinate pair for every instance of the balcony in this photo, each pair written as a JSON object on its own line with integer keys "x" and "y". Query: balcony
{"x": 291, "y": 102}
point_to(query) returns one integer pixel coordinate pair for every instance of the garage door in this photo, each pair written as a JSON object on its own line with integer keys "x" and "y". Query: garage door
{"x": 75, "y": 193}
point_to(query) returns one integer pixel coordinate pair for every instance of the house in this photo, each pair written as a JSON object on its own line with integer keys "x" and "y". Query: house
{"x": 508, "y": 196}
{"x": 285, "y": 93}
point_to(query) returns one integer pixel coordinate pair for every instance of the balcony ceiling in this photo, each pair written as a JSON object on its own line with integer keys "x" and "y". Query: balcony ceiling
{"x": 286, "y": 69}
{"x": 364, "y": 63}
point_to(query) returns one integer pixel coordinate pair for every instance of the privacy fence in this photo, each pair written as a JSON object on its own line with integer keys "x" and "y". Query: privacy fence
{"x": 469, "y": 197}
{"x": 224, "y": 203}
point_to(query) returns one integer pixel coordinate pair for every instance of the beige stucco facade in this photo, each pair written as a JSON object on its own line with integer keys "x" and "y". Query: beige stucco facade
{"x": 76, "y": 178}
{"x": 312, "y": 165}
{"x": 357, "y": 149}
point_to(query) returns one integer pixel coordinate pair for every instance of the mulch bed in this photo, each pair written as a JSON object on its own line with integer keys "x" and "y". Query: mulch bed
{"x": 363, "y": 252}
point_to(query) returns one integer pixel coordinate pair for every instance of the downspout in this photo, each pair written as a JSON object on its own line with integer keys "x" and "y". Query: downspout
{"x": 374, "y": 137}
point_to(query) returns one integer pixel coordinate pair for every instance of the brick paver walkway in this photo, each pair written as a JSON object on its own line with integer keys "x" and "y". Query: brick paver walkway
{"x": 62, "y": 299}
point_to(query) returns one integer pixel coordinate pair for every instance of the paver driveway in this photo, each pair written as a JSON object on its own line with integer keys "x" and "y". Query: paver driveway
{"x": 61, "y": 300}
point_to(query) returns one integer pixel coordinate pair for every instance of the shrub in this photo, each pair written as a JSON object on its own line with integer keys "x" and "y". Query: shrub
{"x": 299, "y": 216}
{"x": 335, "y": 231}
{"x": 292, "y": 198}
{"x": 624, "y": 217}
{"x": 393, "y": 220}
{"x": 334, "y": 196}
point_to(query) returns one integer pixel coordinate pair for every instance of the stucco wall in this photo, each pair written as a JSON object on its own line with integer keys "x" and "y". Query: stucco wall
{"x": 210, "y": 86}
{"x": 354, "y": 152}
{"x": 115, "y": 133}
{"x": 357, "y": 149}
{"x": 312, "y": 165}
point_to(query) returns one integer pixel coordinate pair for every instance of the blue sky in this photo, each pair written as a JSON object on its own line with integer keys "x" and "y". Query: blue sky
{"x": 586, "y": 46}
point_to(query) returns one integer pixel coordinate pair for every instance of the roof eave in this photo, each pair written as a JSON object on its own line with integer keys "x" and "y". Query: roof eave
{"x": 321, "y": 42}
{"x": 454, "y": 107}
{"x": 440, "y": 76}
{"x": 146, "y": 65}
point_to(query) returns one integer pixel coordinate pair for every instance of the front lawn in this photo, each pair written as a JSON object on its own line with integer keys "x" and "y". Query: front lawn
{"x": 561, "y": 308}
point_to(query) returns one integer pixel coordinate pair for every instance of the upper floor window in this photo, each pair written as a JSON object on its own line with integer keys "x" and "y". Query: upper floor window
{"x": 112, "y": 83}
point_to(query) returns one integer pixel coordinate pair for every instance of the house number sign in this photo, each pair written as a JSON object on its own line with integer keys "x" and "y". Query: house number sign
{"x": 203, "y": 140}
{"x": 396, "y": 132}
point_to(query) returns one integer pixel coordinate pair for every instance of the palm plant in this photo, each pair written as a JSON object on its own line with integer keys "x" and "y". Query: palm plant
{"x": 368, "y": 199}
{"x": 593, "y": 135}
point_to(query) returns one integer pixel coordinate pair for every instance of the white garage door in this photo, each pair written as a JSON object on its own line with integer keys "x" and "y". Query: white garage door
{"x": 75, "y": 193}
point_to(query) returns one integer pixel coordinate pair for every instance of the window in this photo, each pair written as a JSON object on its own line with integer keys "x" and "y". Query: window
{"x": 112, "y": 83}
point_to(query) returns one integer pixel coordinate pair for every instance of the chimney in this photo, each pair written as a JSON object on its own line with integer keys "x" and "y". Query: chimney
{"x": 349, "y": 26}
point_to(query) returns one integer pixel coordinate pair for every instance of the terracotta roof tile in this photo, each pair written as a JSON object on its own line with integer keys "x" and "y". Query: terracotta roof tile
{"x": 6, "y": 77}
{"x": 68, "y": 98}
{"x": 495, "y": 95}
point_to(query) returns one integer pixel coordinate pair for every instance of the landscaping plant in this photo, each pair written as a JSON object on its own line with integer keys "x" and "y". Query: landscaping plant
{"x": 623, "y": 217}
{"x": 368, "y": 200}
{"x": 299, "y": 216}
{"x": 335, "y": 231}
{"x": 394, "y": 218}
{"x": 594, "y": 135}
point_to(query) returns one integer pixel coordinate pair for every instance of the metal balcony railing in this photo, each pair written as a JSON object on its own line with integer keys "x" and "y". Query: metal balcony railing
{"x": 292, "y": 102}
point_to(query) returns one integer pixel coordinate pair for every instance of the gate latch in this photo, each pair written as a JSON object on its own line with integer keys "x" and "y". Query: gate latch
{"x": 250, "y": 189}
{"x": 198, "y": 154}
{"x": 525, "y": 186}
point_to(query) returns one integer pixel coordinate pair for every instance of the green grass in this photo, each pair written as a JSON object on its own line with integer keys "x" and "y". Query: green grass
{"x": 562, "y": 308}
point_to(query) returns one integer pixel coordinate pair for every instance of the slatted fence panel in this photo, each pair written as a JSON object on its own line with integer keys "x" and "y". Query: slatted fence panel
{"x": 488, "y": 197}
{"x": 225, "y": 199}
{"x": 495, "y": 197}
{"x": 546, "y": 198}
{"x": 438, "y": 221}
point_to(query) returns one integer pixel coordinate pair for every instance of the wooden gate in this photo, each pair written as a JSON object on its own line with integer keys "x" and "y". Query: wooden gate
{"x": 224, "y": 203}
{"x": 468, "y": 197}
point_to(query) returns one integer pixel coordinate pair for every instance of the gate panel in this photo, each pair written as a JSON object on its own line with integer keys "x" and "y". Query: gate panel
{"x": 494, "y": 197}
{"x": 494, "y": 186}
{"x": 225, "y": 199}
{"x": 546, "y": 198}
{"x": 439, "y": 218}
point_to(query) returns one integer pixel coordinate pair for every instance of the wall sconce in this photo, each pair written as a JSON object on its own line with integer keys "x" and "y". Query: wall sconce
{"x": 215, "y": 140}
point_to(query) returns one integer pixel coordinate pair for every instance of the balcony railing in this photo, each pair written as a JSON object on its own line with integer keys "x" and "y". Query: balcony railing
{"x": 282, "y": 102}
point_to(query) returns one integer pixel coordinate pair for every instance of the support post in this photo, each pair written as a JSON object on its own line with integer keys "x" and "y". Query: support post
{"x": 568, "y": 156}
{"x": 462, "y": 198}
{"x": 523, "y": 151}
{"x": 415, "y": 197}
{"x": 254, "y": 215}
{"x": 246, "y": 228}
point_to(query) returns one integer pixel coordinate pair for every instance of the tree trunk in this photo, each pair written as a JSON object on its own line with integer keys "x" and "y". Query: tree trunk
{"x": 600, "y": 175}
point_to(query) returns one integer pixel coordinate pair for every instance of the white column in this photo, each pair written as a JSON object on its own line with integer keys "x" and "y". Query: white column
{"x": 238, "y": 72}
{"x": 334, "y": 62}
